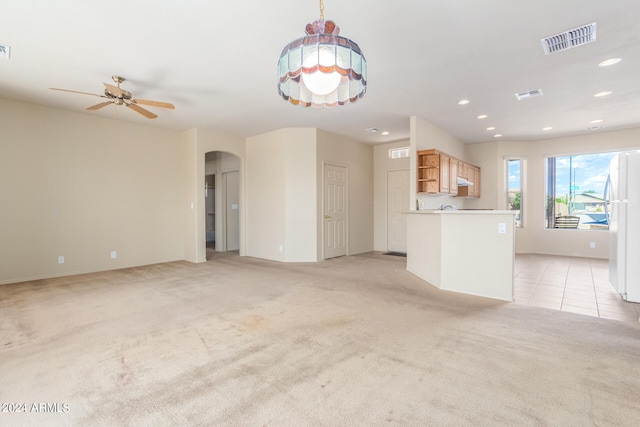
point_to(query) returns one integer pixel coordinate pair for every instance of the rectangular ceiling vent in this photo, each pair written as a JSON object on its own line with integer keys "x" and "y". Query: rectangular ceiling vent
{"x": 568, "y": 39}
{"x": 528, "y": 94}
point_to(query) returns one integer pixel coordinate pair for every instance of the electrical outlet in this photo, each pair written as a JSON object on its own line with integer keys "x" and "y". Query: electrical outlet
{"x": 592, "y": 245}
{"x": 281, "y": 248}
{"x": 114, "y": 255}
{"x": 502, "y": 228}
{"x": 61, "y": 260}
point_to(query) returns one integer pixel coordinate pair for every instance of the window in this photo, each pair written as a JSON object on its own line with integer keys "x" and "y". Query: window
{"x": 575, "y": 191}
{"x": 514, "y": 188}
{"x": 398, "y": 153}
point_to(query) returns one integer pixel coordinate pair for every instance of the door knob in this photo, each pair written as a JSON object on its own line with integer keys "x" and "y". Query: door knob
{"x": 327, "y": 216}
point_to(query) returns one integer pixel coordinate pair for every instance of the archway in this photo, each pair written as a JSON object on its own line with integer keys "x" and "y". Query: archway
{"x": 222, "y": 202}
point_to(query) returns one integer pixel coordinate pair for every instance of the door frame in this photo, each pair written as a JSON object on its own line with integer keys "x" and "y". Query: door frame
{"x": 346, "y": 205}
{"x": 386, "y": 222}
{"x": 224, "y": 205}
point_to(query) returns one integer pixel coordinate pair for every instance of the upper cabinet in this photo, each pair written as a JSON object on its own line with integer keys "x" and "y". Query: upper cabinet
{"x": 439, "y": 173}
{"x": 428, "y": 172}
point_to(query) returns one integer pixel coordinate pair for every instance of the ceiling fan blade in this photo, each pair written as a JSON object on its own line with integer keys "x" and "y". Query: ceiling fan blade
{"x": 154, "y": 103}
{"x": 98, "y": 106}
{"x": 75, "y": 91}
{"x": 148, "y": 114}
{"x": 114, "y": 90}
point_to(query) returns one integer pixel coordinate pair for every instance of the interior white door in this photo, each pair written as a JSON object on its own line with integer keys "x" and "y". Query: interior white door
{"x": 397, "y": 202}
{"x": 232, "y": 206}
{"x": 335, "y": 225}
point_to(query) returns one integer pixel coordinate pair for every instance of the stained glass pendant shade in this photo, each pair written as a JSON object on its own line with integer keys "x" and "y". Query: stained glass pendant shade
{"x": 322, "y": 69}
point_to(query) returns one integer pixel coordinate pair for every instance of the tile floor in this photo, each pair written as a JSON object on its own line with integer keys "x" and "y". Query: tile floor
{"x": 578, "y": 285}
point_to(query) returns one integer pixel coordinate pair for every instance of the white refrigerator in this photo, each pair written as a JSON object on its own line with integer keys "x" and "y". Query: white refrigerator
{"x": 624, "y": 225}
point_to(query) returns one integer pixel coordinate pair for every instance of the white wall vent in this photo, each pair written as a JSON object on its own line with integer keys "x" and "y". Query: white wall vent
{"x": 568, "y": 39}
{"x": 528, "y": 94}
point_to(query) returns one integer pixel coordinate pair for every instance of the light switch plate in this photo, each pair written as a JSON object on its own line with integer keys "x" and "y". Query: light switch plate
{"x": 502, "y": 228}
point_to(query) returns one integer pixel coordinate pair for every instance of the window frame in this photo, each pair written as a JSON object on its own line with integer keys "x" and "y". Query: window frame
{"x": 550, "y": 187}
{"x": 520, "y": 222}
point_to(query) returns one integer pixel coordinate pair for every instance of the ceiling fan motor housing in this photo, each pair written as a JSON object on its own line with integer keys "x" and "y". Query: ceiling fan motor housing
{"x": 125, "y": 94}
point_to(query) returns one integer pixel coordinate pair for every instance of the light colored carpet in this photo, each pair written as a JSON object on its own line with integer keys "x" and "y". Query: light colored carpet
{"x": 350, "y": 341}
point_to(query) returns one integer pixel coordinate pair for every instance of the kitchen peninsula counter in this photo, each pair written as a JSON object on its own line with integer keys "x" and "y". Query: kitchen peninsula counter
{"x": 467, "y": 251}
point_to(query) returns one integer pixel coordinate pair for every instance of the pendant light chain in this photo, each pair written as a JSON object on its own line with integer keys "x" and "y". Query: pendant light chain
{"x": 321, "y": 10}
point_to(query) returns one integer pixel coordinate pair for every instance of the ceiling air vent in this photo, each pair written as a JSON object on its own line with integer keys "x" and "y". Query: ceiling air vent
{"x": 568, "y": 39}
{"x": 528, "y": 94}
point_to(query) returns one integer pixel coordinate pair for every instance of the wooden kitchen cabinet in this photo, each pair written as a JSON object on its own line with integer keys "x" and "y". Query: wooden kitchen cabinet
{"x": 453, "y": 175}
{"x": 438, "y": 173}
{"x": 428, "y": 172}
{"x": 472, "y": 174}
{"x": 432, "y": 167}
{"x": 445, "y": 173}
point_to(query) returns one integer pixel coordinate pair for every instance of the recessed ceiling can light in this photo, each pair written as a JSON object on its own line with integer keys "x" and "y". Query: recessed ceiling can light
{"x": 385, "y": 133}
{"x": 593, "y": 122}
{"x": 464, "y": 102}
{"x": 602, "y": 94}
{"x": 497, "y": 135}
{"x": 547, "y": 128}
{"x": 482, "y": 116}
{"x": 491, "y": 128}
{"x": 609, "y": 62}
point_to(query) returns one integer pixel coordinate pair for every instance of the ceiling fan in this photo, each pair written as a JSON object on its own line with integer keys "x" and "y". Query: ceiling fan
{"x": 116, "y": 95}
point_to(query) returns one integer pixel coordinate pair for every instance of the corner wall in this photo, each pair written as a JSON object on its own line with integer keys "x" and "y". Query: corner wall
{"x": 382, "y": 165}
{"x": 281, "y": 202}
{"x": 358, "y": 158}
{"x": 423, "y": 136}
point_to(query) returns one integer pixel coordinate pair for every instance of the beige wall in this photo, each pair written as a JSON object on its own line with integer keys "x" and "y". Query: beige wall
{"x": 266, "y": 195}
{"x": 423, "y": 136}
{"x": 300, "y": 210}
{"x": 281, "y": 208}
{"x": 81, "y": 186}
{"x": 358, "y": 158}
{"x": 533, "y": 237}
{"x": 382, "y": 165}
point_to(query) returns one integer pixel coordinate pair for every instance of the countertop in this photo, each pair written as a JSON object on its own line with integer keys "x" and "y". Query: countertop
{"x": 463, "y": 212}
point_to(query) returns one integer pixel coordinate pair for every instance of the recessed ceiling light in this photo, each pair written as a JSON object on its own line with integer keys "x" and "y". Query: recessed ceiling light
{"x": 385, "y": 133}
{"x": 464, "y": 102}
{"x": 593, "y": 122}
{"x": 497, "y": 135}
{"x": 482, "y": 116}
{"x": 610, "y": 61}
{"x": 491, "y": 128}
{"x": 602, "y": 94}
{"x": 547, "y": 128}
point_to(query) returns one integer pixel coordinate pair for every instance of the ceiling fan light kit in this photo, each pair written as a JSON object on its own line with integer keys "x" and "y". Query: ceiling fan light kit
{"x": 118, "y": 96}
{"x": 322, "y": 69}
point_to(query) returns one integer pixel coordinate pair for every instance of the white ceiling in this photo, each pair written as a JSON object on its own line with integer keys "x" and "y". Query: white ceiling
{"x": 216, "y": 61}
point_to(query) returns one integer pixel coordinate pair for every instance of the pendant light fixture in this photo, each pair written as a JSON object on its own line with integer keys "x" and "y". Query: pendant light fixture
{"x": 322, "y": 69}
